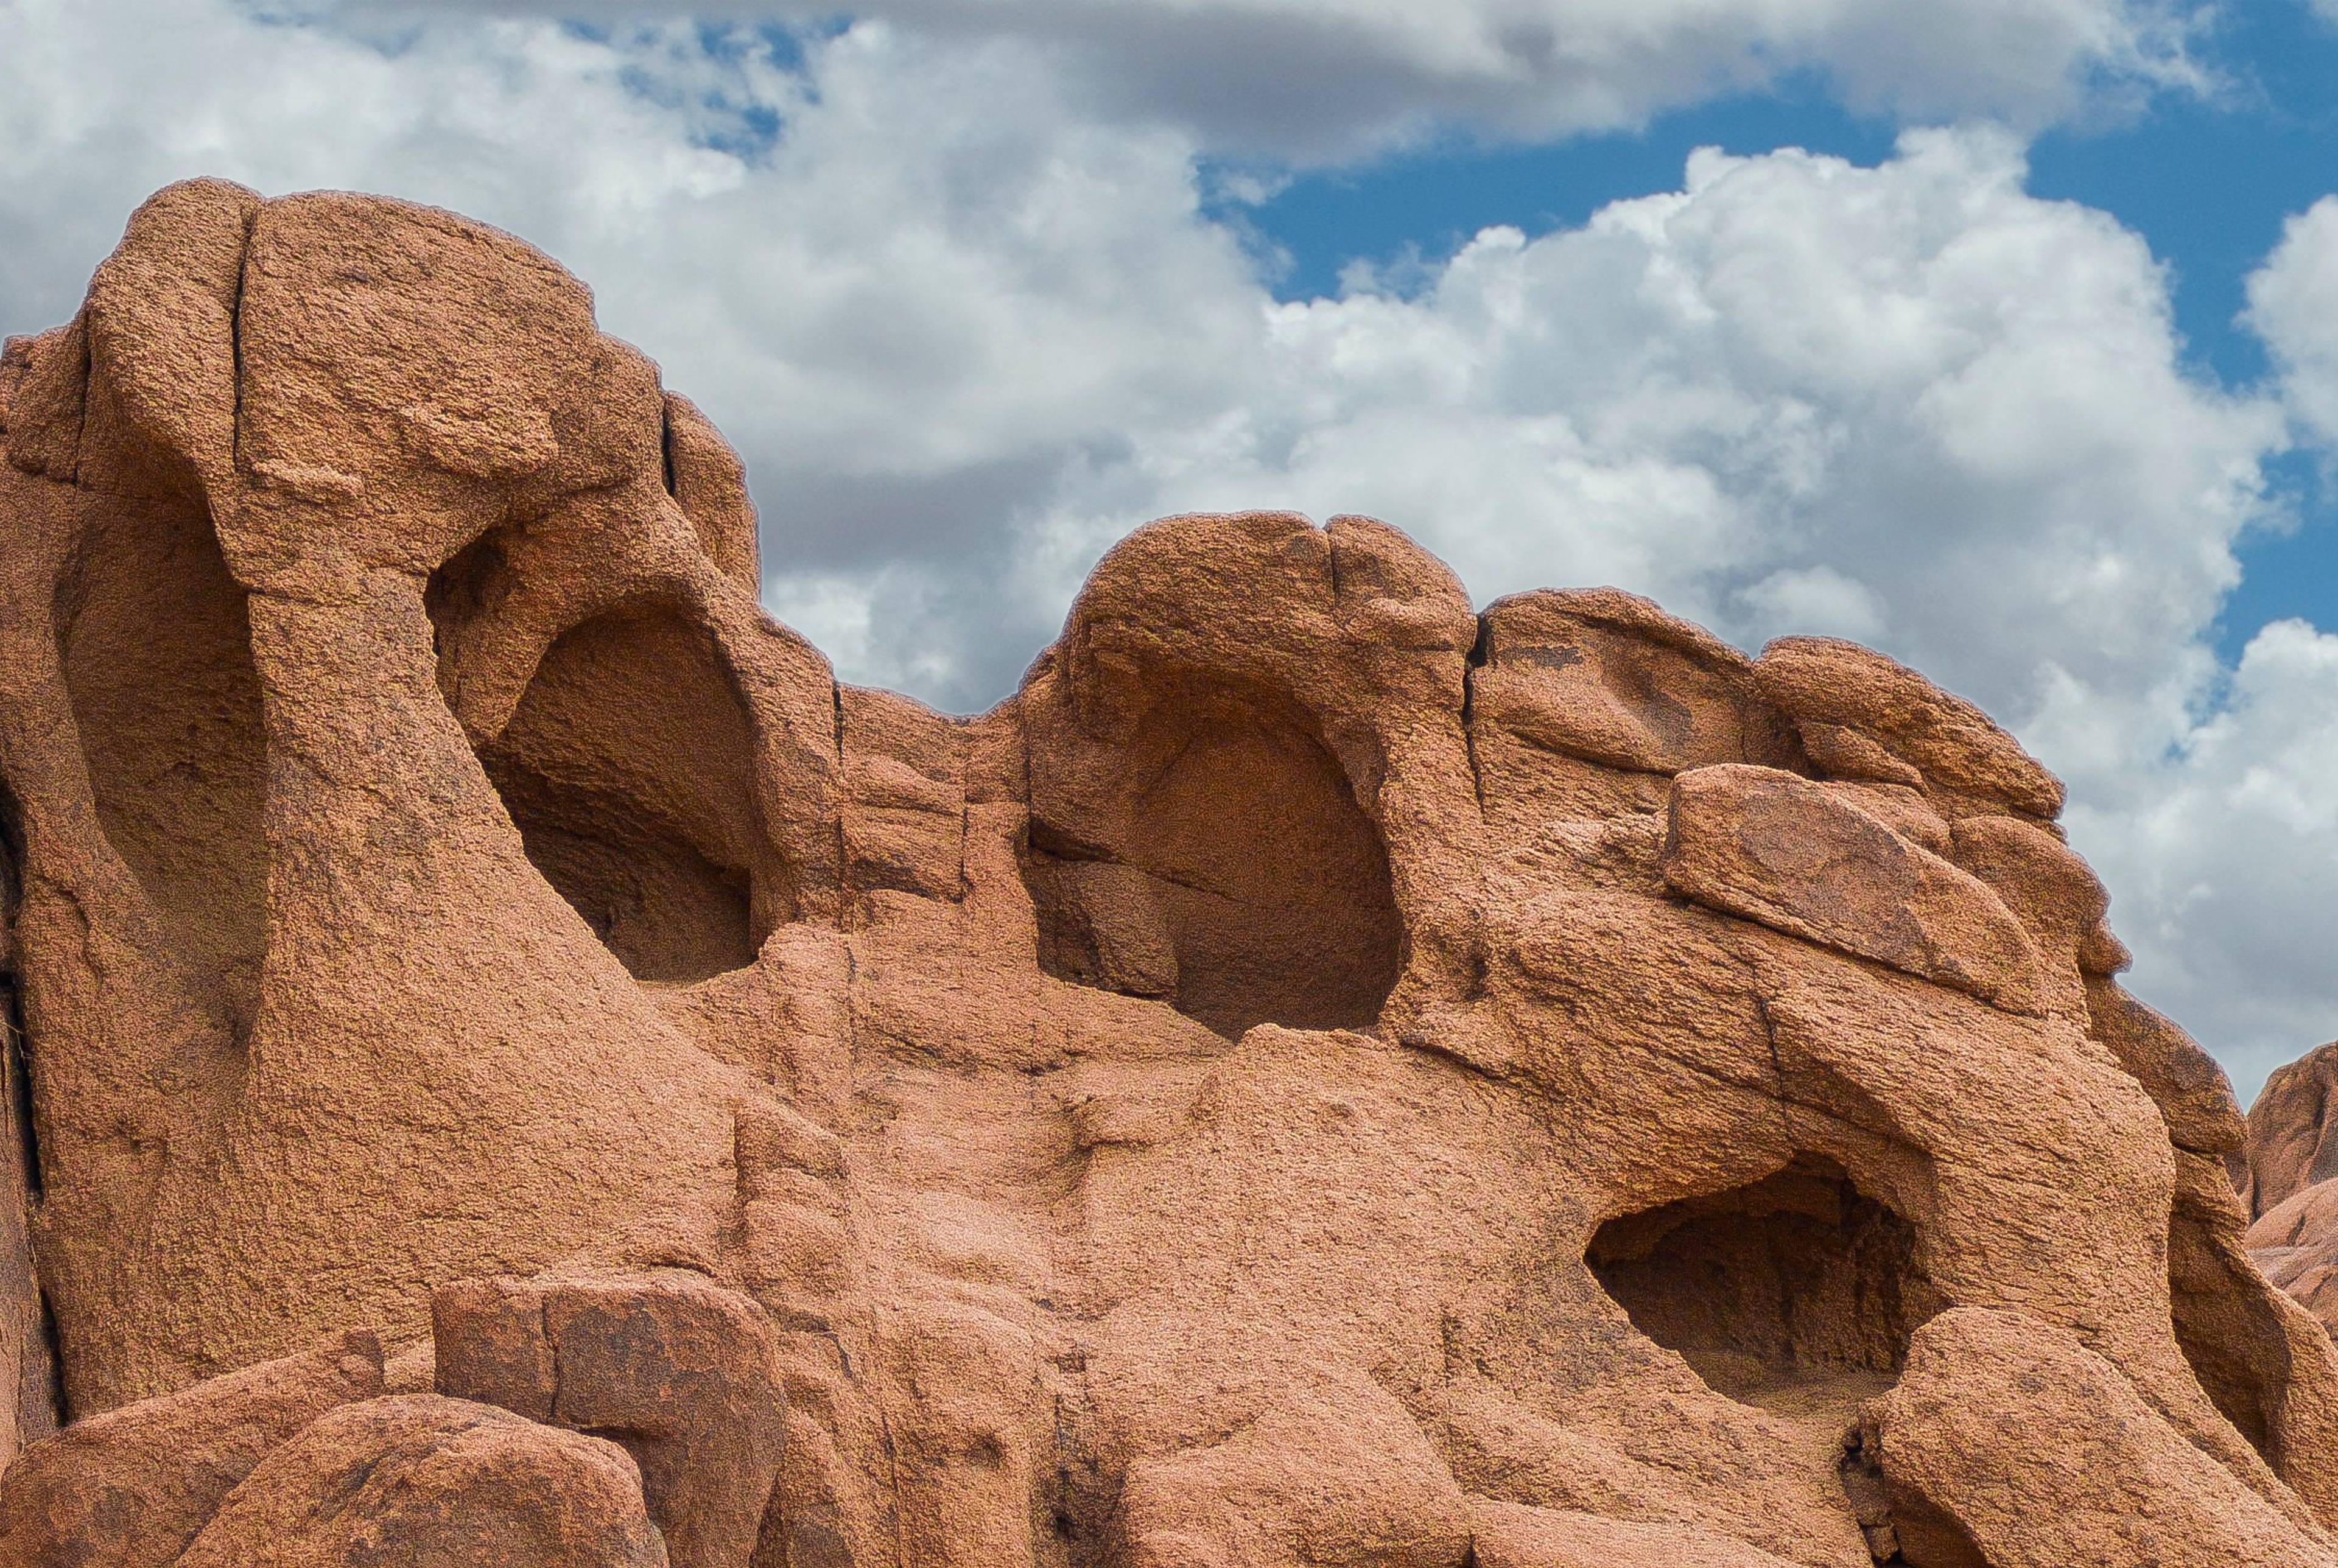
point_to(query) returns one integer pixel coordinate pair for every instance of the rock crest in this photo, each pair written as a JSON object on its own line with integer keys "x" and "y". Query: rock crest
{"x": 1320, "y": 1076}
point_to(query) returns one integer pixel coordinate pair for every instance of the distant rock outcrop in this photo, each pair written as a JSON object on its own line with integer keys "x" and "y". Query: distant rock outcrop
{"x": 2292, "y": 1153}
{"x": 2292, "y": 1140}
{"x": 1322, "y": 1075}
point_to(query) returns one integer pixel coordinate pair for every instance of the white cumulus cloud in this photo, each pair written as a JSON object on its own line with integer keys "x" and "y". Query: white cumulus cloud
{"x": 2293, "y": 307}
{"x": 2225, "y": 858}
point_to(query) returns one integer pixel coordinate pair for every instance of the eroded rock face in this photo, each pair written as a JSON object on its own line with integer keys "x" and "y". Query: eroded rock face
{"x": 2284, "y": 1172}
{"x": 2293, "y": 1136}
{"x": 1318, "y": 1076}
{"x": 415, "y": 1479}
{"x": 681, "y": 1373}
{"x": 131, "y": 1487}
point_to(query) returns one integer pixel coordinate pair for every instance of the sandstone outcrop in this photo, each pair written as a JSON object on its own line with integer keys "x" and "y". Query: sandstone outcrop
{"x": 2293, "y": 1143}
{"x": 679, "y": 1372}
{"x": 2284, "y": 1178}
{"x": 1320, "y": 1076}
{"x": 434, "y": 1483}
{"x": 130, "y": 1487}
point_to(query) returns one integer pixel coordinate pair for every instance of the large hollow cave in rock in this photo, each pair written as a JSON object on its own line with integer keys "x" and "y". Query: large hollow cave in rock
{"x": 157, "y": 654}
{"x": 1237, "y": 879}
{"x": 1792, "y": 1291}
{"x": 628, "y": 767}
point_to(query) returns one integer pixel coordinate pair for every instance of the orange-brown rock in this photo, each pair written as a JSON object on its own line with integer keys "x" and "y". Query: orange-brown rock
{"x": 2295, "y": 1242}
{"x": 2114, "y": 1485}
{"x": 415, "y": 1479}
{"x": 130, "y": 1487}
{"x": 2283, "y": 1170}
{"x": 1319, "y": 1075}
{"x": 679, "y": 1372}
{"x": 1804, "y": 858}
{"x": 2293, "y": 1135}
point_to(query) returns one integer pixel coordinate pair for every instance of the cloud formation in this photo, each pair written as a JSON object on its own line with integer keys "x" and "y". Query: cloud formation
{"x": 2293, "y": 307}
{"x": 1315, "y": 80}
{"x": 968, "y": 322}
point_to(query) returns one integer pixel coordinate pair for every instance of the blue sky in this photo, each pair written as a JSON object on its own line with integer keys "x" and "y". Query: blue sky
{"x": 2002, "y": 336}
{"x": 2207, "y": 179}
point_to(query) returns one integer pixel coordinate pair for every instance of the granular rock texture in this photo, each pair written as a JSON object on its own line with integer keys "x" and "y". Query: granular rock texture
{"x": 1320, "y": 1076}
{"x": 2285, "y": 1180}
{"x": 2293, "y": 1143}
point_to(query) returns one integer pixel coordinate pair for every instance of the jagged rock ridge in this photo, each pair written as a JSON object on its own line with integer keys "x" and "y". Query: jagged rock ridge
{"x": 519, "y": 1065}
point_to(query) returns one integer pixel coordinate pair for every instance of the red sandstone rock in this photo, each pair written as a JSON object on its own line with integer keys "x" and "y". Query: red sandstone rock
{"x": 1879, "y": 719}
{"x": 1804, "y": 859}
{"x": 2293, "y": 1138}
{"x": 2112, "y": 1485}
{"x": 2295, "y": 1242}
{"x": 1608, "y": 677}
{"x": 1319, "y": 1075}
{"x": 1507, "y": 1535}
{"x": 678, "y": 1370}
{"x": 415, "y": 1479}
{"x": 130, "y": 1488}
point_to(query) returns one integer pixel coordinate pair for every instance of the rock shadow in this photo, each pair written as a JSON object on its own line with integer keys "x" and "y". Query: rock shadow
{"x": 1229, "y": 871}
{"x": 1791, "y": 1291}
{"x": 628, "y": 767}
{"x": 156, "y": 646}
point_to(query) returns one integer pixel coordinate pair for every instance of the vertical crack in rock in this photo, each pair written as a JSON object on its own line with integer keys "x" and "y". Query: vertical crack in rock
{"x": 665, "y": 448}
{"x": 1475, "y": 663}
{"x": 17, "y": 1063}
{"x": 28, "y": 1330}
{"x": 235, "y": 346}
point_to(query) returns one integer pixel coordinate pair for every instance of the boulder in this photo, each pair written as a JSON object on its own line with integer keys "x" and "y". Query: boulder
{"x": 130, "y": 1488}
{"x": 1872, "y": 717}
{"x": 421, "y": 1482}
{"x": 1804, "y": 859}
{"x": 680, "y": 1371}
{"x": 2117, "y": 1484}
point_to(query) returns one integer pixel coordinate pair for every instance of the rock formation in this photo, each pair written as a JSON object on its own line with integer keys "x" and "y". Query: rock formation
{"x": 2285, "y": 1181}
{"x": 515, "y": 1064}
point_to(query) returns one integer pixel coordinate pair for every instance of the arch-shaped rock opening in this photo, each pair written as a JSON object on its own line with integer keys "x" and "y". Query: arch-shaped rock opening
{"x": 156, "y": 646}
{"x": 1225, "y": 866}
{"x": 1793, "y": 1290}
{"x": 628, "y": 767}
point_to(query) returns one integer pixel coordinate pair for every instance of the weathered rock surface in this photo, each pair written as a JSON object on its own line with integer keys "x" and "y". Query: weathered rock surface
{"x": 2293, "y": 1135}
{"x": 2295, "y": 1242}
{"x": 422, "y": 1482}
{"x": 2114, "y": 1485}
{"x": 1318, "y": 1076}
{"x": 2284, "y": 1174}
{"x": 130, "y": 1487}
{"x": 681, "y": 1373}
{"x": 1804, "y": 858}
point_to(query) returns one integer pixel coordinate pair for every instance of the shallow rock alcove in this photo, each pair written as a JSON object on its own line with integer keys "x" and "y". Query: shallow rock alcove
{"x": 628, "y": 769}
{"x": 1241, "y": 881}
{"x": 156, "y": 654}
{"x": 1794, "y": 1286}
